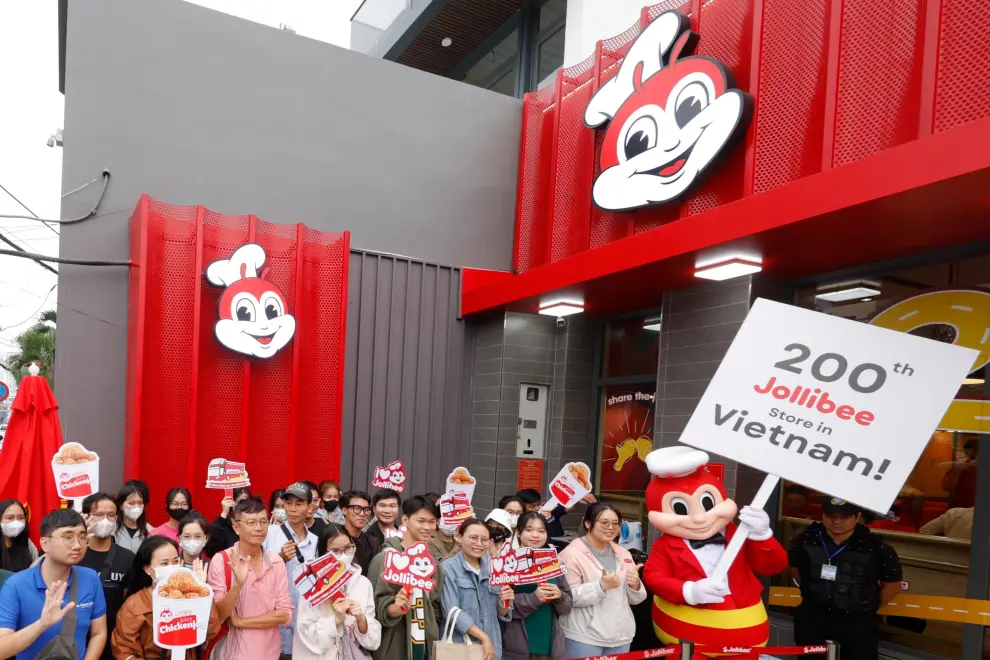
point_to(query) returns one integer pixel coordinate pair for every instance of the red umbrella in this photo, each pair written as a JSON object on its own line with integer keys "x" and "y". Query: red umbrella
{"x": 33, "y": 437}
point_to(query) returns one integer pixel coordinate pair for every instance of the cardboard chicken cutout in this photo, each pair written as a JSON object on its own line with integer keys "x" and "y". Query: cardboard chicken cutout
{"x": 689, "y": 505}
{"x": 671, "y": 116}
{"x": 254, "y": 317}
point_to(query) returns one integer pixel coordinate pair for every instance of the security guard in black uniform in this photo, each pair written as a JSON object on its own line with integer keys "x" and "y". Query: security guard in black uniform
{"x": 845, "y": 574}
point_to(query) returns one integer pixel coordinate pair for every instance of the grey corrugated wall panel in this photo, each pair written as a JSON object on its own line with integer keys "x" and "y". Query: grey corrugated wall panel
{"x": 405, "y": 371}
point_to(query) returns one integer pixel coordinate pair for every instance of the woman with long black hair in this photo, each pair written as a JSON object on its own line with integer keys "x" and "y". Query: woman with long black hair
{"x": 134, "y": 634}
{"x": 132, "y": 521}
{"x": 177, "y": 504}
{"x": 17, "y": 552}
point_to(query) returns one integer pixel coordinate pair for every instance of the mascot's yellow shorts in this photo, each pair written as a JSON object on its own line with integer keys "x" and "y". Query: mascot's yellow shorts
{"x": 746, "y": 626}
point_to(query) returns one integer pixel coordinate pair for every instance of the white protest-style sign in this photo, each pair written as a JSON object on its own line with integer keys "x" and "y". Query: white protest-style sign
{"x": 839, "y": 406}
{"x": 180, "y": 609}
{"x": 572, "y": 483}
{"x": 76, "y": 470}
{"x": 461, "y": 481}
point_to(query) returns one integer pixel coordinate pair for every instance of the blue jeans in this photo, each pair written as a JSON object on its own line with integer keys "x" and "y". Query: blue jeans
{"x": 582, "y": 650}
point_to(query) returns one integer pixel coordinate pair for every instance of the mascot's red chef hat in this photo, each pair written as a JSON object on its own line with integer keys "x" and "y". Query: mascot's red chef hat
{"x": 680, "y": 469}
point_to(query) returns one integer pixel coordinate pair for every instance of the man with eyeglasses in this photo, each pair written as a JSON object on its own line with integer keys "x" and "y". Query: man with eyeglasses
{"x": 111, "y": 561}
{"x": 55, "y": 591}
{"x": 251, "y": 589}
{"x": 357, "y": 511}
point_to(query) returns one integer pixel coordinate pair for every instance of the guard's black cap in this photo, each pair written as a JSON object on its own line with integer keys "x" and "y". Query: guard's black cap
{"x": 835, "y": 505}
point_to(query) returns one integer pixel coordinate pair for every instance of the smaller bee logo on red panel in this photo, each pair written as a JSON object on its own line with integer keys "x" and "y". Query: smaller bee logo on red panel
{"x": 254, "y": 317}
{"x": 671, "y": 116}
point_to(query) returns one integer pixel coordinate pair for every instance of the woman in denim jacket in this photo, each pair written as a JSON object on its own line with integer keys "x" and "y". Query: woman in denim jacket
{"x": 466, "y": 586}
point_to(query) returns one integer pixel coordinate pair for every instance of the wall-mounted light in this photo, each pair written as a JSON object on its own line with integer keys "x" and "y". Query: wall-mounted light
{"x": 652, "y": 324}
{"x": 848, "y": 291}
{"x": 728, "y": 269}
{"x": 560, "y": 308}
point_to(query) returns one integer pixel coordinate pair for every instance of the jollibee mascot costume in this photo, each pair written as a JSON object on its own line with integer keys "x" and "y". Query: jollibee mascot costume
{"x": 689, "y": 505}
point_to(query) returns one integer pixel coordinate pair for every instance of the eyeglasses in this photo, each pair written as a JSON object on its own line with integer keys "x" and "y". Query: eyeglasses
{"x": 252, "y": 524}
{"x": 357, "y": 509}
{"x": 71, "y": 540}
{"x": 14, "y": 517}
{"x": 349, "y": 550}
{"x": 112, "y": 517}
{"x": 607, "y": 524}
{"x": 478, "y": 540}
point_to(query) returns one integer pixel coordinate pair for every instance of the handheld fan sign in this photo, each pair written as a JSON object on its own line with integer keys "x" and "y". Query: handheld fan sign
{"x": 76, "y": 470}
{"x": 391, "y": 476}
{"x": 572, "y": 483}
{"x": 455, "y": 508}
{"x": 322, "y": 579}
{"x": 524, "y": 566}
{"x": 226, "y": 475}
{"x": 180, "y": 607}
{"x": 413, "y": 568}
{"x": 461, "y": 481}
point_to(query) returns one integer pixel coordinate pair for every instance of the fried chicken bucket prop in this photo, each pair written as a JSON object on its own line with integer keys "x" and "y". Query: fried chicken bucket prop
{"x": 181, "y": 606}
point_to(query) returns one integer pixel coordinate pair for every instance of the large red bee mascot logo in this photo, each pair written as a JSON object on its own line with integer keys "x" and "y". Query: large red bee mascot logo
{"x": 670, "y": 115}
{"x": 254, "y": 318}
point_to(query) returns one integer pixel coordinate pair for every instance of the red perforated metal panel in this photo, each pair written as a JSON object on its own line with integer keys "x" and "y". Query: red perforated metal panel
{"x": 574, "y": 165}
{"x": 534, "y": 177}
{"x": 191, "y": 400}
{"x": 791, "y": 95}
{"x": 726, "y": 30}
{"x": 963, "y": 74}
{"x": 879, "y": 87}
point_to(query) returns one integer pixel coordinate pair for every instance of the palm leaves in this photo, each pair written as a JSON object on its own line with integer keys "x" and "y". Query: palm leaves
{"x": 36, "y": 344}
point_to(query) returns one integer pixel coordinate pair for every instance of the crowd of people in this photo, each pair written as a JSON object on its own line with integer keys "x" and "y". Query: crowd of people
{"x": 87, "y": 592}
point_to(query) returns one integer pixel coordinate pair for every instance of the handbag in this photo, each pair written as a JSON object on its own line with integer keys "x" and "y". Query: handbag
{"x": 446, "y": 649}
{"x": 63, "y": 647}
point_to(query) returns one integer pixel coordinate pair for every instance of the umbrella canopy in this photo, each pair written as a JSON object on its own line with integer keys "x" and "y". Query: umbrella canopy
{"x": 33, "y": 437}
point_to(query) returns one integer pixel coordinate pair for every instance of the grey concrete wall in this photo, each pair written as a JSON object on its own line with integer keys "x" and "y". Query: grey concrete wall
{"x": 197, "y": 107}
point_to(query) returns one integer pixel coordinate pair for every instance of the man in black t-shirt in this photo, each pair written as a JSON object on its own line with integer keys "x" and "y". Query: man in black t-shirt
{"x": 357, "y": 510}
{"x": 109, "y": 560}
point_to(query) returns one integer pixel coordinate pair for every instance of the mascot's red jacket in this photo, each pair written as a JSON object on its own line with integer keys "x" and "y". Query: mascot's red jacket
{"x": 689, "y": 505}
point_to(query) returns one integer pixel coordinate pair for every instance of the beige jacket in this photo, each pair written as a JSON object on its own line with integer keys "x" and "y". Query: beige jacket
{"x": 954, "y": 524}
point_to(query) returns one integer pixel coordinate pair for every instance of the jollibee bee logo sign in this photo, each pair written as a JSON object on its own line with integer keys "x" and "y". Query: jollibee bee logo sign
{"x": 413, "y": 568}
{"x": 842, "y": 407}
{"x": 671, "y": 116}
{"x": 391, "y": 476}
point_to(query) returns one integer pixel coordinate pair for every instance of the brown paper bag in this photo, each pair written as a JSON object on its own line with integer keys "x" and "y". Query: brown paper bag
{"x": 447, "y": 649}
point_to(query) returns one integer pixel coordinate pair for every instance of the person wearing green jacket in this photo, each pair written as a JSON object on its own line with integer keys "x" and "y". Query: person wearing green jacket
{"x": 409, "y": 617}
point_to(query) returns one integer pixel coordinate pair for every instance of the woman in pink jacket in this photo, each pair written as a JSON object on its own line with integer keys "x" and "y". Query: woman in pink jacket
{"x": 605, "y": 585}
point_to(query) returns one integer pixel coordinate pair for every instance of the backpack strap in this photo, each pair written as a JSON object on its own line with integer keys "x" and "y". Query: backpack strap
{"x": 68, "y": 629}
{"x": 108, "y": 563}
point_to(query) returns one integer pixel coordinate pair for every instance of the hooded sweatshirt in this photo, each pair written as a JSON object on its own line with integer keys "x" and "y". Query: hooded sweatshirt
{"x": 396, "y": 643}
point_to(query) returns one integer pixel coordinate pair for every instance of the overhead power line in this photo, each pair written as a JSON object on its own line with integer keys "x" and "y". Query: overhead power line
{"x": 70, "y": 221}
{"x": 59, "y": 260}
{"x": 24, "y": 206}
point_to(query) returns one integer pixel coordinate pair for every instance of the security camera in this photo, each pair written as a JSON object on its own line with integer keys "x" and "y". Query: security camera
{"x": 51, "y": 141}
{"x": 561, "y": 322}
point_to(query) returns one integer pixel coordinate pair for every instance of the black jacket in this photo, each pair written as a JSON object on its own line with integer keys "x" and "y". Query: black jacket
{"x": 222, "y": 536}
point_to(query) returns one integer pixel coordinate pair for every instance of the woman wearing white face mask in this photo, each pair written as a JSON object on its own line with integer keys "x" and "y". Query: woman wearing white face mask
{"x": 133, "y": 636}
{"x": 132, "y": 526}
{"x": 193, "y": 535}
{"x": 344, "y": 629}
{"x": 17, "y": 552}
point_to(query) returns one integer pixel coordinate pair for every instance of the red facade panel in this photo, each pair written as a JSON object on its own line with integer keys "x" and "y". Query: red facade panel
{"x": 191, "y": 400}
{"x": 963, "y": 74}
{"x": 834, "y": 82}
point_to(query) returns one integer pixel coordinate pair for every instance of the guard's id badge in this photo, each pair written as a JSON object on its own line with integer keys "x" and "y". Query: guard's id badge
{"x": 829, "y": 572}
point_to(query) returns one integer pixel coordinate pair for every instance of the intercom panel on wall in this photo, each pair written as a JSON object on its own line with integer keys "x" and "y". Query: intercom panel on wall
{"x": 532, "y": 429}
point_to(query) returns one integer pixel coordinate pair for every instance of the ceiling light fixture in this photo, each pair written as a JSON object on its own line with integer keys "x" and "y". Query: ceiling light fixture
{"x": 446, "y": 41}
{"x": 727, "y": 270}
{"x": 560, "y": 308}
{"x": 974, "y": 381}
{"x": 849, "y": 291}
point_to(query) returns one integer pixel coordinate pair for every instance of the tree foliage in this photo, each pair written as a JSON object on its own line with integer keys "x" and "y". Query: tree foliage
{"x": 36, "y": 344}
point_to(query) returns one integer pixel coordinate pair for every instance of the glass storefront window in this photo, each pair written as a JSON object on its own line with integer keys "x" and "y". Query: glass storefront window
{"x": 483, "y": 70}
{"x": 632, "y": 348}
{"x": 551, "y": 56}
{"x": 506, "y": 84}
{"x": 930, "y": 523}
{"x": 551, "y": 12}
{"x": 626, "y": 419}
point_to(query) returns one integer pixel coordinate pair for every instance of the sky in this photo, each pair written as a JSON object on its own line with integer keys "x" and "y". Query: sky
{"x": 31, "y": 109}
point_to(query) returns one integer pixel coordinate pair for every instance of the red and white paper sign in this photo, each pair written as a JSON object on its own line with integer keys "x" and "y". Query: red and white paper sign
{"x": 180, "y": 610}
{"x": 76, "y": 470}
{"x": 395, "y": 532}
{"x": 455, "y": 508}
{"x": 524, "y": 566}
{"x": 413, "y": 568}
{"x": 226, "y": 475}
{"x": 391, "y": 476}
{"x": 461, "y": 481}
{"x": 322, "y": 579}
{"x": 571, "y": 484}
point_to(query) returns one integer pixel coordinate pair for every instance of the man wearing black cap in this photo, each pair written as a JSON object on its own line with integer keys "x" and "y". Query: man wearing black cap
{"x": 846, "y": 574}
